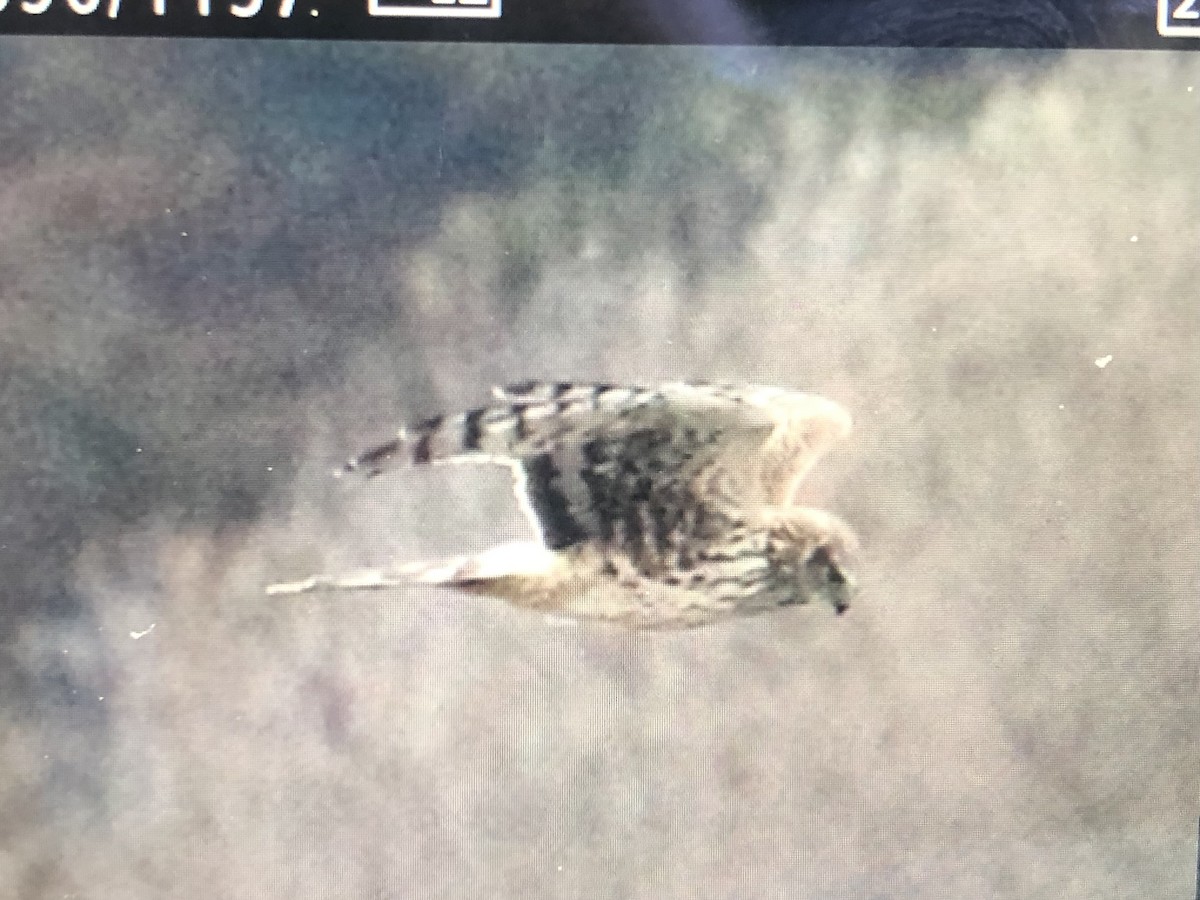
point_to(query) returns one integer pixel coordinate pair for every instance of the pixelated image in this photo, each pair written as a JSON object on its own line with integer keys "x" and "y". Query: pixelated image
{"x": 228, "y": 268}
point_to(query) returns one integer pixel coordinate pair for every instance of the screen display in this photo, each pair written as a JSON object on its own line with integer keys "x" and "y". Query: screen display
{"x": 635, "y": 289}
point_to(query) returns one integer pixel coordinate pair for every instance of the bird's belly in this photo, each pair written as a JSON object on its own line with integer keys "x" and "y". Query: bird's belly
{"x": 640, "y": 603}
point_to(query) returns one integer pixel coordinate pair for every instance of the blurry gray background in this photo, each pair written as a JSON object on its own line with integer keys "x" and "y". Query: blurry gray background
{"x": 224, "y": 268}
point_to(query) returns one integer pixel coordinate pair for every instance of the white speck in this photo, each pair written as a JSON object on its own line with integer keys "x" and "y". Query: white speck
{"x": 933, "y": 328}
{"x": 1189, "y": 88}
{"x": 1060, "y": 406}
{"x": 1103, "y": 361}
{"x": 1133, "y": 239}
{"x": 270, "y": 468}
{"x": 99, "y": 698}
{"x": 314, "y": 13}
{"x": 183, "y": 234}
{"x": 138, "y": 635}
{"x": 137, "y": 450}
{"x": 169, "y": 208}
{"x": 66, "y": 651}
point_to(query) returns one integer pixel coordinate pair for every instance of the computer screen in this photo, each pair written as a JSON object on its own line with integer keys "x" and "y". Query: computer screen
{"x": 640, "y": 450}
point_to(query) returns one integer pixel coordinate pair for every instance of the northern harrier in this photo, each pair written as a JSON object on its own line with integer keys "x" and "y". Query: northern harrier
{"x": 661, "y": 507}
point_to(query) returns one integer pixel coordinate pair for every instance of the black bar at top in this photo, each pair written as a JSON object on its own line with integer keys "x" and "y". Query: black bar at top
{"x": 1166, "y": 24}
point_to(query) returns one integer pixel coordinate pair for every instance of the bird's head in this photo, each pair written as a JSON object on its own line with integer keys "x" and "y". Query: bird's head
{"x": 813, "y": 551}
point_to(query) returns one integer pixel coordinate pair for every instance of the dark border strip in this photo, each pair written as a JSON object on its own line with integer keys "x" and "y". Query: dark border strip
{"x": 1027, "y": 24}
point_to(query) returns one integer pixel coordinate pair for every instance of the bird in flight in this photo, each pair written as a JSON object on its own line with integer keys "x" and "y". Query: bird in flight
{"x": 653, "y": 507}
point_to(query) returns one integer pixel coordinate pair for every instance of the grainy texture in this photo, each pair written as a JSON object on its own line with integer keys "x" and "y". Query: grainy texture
{"x": 651, "y": 507}
{"x": 220, "y": 266}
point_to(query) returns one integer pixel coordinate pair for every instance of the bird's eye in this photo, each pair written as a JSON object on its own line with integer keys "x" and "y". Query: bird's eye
{"x": 829, "y": 570}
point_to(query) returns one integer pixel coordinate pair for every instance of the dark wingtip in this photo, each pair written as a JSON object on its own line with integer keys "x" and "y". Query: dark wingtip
{"x": 357, "y": 467}
{"x": 368, "y": 464}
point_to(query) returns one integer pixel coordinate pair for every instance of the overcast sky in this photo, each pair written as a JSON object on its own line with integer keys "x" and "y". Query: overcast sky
{"x": 224, "y": 268}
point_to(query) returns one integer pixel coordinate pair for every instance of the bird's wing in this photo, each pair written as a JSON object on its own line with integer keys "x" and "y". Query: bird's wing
{"x": 518, "y": 559}
{"x": 803, "y": 428}
{"x": 579, "y": 448}
{"x": 575, "y": 585}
